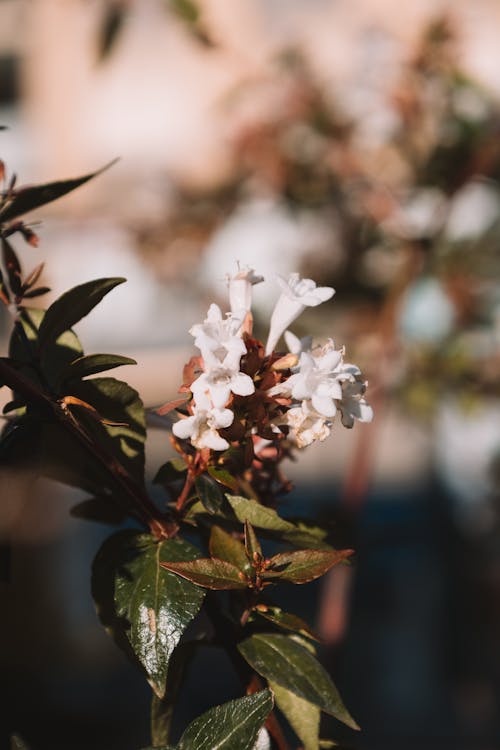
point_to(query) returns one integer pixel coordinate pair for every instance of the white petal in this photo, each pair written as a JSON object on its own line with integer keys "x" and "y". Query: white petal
{"x": 220, "y": 393}
{"x": 184, "y": 428}
{"x": 324, "y": 405}
{"x": 212, "y": 439}
{"x": 286, "y": 311}
{"x": 222, "y": 417}
{"x": 242, "y": 384}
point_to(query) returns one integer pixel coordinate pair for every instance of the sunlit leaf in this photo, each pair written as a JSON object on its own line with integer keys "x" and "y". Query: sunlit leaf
{"x": 286, "y": 620}
{"x": 232, "y": 726}
{"x": 303, "y": 716}
{"x": 258, "y": 515}
{"x": 304, "y": 565}
{"x": 138, "y": 601}
{"x": 223, "y": 477}
{"x": 252, "y": 545}
{"x": 226, "y": 547}
{"x": 209, "y": 573}
{"x": 72, "y": 306}
{"x": 281, "y": 659}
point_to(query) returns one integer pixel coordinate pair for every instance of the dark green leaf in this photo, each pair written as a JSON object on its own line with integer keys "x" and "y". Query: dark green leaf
{"x": 146, "y": 609}
{"x": 117, "y": 402}
{"x": 281, "y": 659}
{"x": 12, "y": 266}
{"x": 171, "y": 471}
{"x": 226, "y": 547}
{"x": 258, "y": 515}
{"x": 28, "y": 198}
{"x": 304, "y": 565}
{"x": 223, "y": 477}
{"x": 91, "y": 364}
{"x": 209, "y": 573}
{"x": 287, "y": 621}
{"x": 209, "y": 492}
{"x": 72, "y": 306}
{"x": 232, "y": 726}
{"x": 303, "y": 716}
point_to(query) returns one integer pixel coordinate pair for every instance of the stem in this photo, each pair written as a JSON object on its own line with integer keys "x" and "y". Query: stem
{"x": 145, "y": 510}
{"x": 184, "y": 496}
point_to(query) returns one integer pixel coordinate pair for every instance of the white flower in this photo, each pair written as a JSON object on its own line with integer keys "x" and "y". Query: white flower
{"x": 352, "y": 405}
{"x": 296, "y": 295}
{"x": 202, "y": 428}
{"x": 216, "y": 385}
{"x": 317, "y": 379}
{"x": 296, "y": 345}
{"x": 307, "y": 425}
{"x": 240, "y": 289}
{"x": 217, "y": 339}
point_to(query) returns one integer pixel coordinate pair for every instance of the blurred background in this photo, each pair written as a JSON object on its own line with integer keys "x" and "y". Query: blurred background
{"x": 355, "y": 141}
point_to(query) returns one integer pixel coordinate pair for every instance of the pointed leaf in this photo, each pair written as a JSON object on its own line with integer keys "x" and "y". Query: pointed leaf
{"x": 224, "y": 477}
{"x": 12, "y": 266}
{"x": 27, "y": 198}
{"x": 91, "y": 364}
{"x": 72, "y": 306}
{"x": 258, "y": 515}
{"x": 281, "y": 659}
{"x": 304, "y": 565}
{"x": 226, "y": 547}
{"x": 146, "y": 609}
{"x": 171, "y": 471}
{"x": 252, "y": 546}
{"x": 303, "y": 716}
{"x": 232, "y": 726}
{"x": 209, "y": 573}
{"x": 286, "y": 620}
{"x": 209, "y": 492}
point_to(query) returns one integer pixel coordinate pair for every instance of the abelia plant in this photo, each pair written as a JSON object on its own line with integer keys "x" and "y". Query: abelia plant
{"x": 245, "y": 407}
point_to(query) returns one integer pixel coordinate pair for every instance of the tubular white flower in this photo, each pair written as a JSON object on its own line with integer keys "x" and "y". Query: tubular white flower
{"x": 307, "y": 425}
{"x": 296, "y": 295}
{"x": 296, "y": 345}
{"x": 216, "y": 385}
{"x": 201, "y": 428}
{"x": 317, "y": 380}
{"x": 240, "y": 289}
{"x": 217, "y": 339}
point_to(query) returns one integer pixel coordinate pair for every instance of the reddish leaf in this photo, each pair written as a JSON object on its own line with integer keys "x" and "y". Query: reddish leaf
{"x": 210, "y": 573}
{"x": 304, "y": 565}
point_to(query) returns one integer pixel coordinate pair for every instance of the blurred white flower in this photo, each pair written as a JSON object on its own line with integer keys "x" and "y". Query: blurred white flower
{"x": 296, "y": 345}
{"x": 201, "y": 428}
{"x": 216, "y": 385}
{"x": 240, "y": 289}
{"x": 296, "y": 295}
{"x": 352, "y": 404}
{"x": 217, "y": 339}
{"x": 306, "y": 425}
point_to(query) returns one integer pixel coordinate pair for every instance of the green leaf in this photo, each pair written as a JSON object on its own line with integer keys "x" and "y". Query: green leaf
{"x": 27, "y": 198}
{"x": 226, "y": 547}
{"x": 91, "y": 364}
{"x": 252, "y": 545}
{"x": 116, "y": 401}
{"x": 304, "y": 565}
{"x": 72, "y": 306}
{"x": 286, "y": 620}
{"x": 209, "y": 573}
{"x": 224, "y": 477}
{"x": 281, "y": 659}
{"x": 146, "y": 609}
{"x": 258, "y": 515}
{"x": 303, "y": 716}
{"x": 209, "y": 492}
{"x": 23, "y": 349}
{"x": 232, "y": 726}
{"x": 171, "y": 471}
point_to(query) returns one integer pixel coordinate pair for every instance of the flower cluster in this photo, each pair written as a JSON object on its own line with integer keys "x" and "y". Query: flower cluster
{"x": 302, "y": 391}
